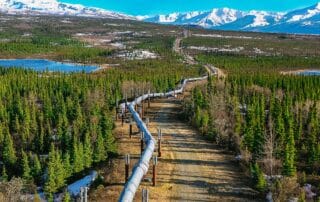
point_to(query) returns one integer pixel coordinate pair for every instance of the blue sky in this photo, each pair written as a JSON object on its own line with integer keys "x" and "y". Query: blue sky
{"x": 151, "y": 7}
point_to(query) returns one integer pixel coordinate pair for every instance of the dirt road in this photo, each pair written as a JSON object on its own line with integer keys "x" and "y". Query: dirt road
{"x": 193, "y": 169}
{"x": 190, "y": 169}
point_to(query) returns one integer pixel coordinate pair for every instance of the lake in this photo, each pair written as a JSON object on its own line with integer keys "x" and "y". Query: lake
{"x": 41, "y": 65}
{"x": 309, "y": 73}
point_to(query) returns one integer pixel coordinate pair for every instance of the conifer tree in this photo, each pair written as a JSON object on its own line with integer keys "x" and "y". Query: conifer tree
{"x": 99, "y": 152}
{"x": 50, "y": 185}
{"x": 77, "y": 157}
{"x": 67, "y": 165}
{"x": 258, "y": 177}
{"x": 59, "y": 170}
{"x": 4, "y": 175}
{"x": 8, "y": 153}
{"x": 289, "y": 168}
{"x": 66, "y": 197}
{"x": 26, "y": 170}
{"x": 36, "y": 167}
{"x": 87, "y": 151}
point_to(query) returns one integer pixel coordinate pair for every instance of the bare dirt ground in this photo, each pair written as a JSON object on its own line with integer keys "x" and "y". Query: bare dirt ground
{"x": 190, "y": 169}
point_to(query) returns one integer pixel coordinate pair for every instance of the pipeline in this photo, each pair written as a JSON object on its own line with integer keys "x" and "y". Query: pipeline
{"x": 142, "y": 166}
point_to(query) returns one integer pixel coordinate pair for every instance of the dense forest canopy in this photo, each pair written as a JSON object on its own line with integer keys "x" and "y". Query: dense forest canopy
{"x": 54, "y": 125}
{"x": 270, "y": 119}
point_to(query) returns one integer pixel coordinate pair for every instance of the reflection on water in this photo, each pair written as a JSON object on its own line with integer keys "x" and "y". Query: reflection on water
{"x": 46, "y": 65}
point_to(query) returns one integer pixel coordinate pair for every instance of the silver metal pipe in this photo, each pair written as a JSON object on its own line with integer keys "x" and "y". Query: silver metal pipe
{"x": 141, "y": 168}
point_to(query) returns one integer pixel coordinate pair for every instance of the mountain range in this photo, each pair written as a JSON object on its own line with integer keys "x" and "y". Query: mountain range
{"x": 300, "y": 21}
{"x": 54, "y": 7}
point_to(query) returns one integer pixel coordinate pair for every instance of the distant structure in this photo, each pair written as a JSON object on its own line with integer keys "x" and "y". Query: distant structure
{"x": 186, "y": 33}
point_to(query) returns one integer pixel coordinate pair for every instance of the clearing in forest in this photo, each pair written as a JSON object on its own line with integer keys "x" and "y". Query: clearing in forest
{"x": 190, "y": 169}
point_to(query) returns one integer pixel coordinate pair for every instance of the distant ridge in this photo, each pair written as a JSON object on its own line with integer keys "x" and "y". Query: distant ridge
{"x": 54, "y": 7}
{"x": 300, "y": 21}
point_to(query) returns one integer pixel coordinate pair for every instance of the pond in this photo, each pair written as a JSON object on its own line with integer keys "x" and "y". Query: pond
{"x": 309, "y": 73}
{"x": 41, "y": 65}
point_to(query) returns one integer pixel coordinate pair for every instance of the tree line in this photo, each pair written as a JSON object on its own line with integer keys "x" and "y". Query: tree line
{"x": 271, "y": 120}
{"x": 54, "y": 126}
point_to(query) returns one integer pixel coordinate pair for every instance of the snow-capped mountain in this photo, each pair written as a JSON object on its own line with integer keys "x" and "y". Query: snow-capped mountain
{"x": 54, "y": 7}
{"x": 301, "y": 21}
{"x": 216, "y": 17}
{"x": 306, "y": 21}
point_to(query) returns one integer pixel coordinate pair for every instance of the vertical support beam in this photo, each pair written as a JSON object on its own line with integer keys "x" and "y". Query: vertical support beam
{"x": 155, "y": 162}
{"x": 130, "y": 130}
{"x": 142, "y": 142}
{"x": 149, "y": 98}
{"x": 142, "y": 109}
{"x": 126, "y": 103}
{"x": 81, "y": 194}
{"x": 159, "y": 142}
{"x": 127, "y": 167}
{"x": 86, "y": 194}
{"x": 145, "y": 195}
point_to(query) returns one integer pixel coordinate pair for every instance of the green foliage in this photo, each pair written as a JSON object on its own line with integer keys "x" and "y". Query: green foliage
{"x": 36, "y": 169}
{"x": 264, "y": 104}
{"x": 8, "y": 153}
{"x": 66, "y": 197}
{"x": 26, "y": 170}
{"x": 62, "y": 47}
{"x": 73, "y": 112}
{"x": 55, "y": 173}
{"x": 258, "y": 177}
{"x": 4, "y": 175}
{"x": 100, "y": 153}
{"x": 289, "y": 168}
{"x": 252, "y": 65}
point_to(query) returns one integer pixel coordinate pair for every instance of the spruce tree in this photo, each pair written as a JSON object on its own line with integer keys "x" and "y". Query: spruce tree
{"x": 66, "y": 197}
{"x": 59, "y": 170}
{"x": 289, "y": 168}
{"x": 99, "y": 150}
{"x": 36, "y": 167}
{"x": 50, "y": 185}
{"x": 26, "y": 170}
{"x": 4, "y": 176}
{"x": 77, "y": 156}
{"x": 87, "y": 151}
{"x": 8, "y": 152}
{"x": 67, "y": 165}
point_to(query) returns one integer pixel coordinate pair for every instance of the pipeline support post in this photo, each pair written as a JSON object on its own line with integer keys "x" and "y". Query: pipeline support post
{"x": 155, "y": 162}
{"x": 159, "y": 142}
{"x": 149, "y": 98}
{"x": 130, "y": 130}
{"x": 145, "y": 195}
{"x": 142, "y": 142}
{"x": 127, "y": 167}
{"x": 142, "y": 109}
